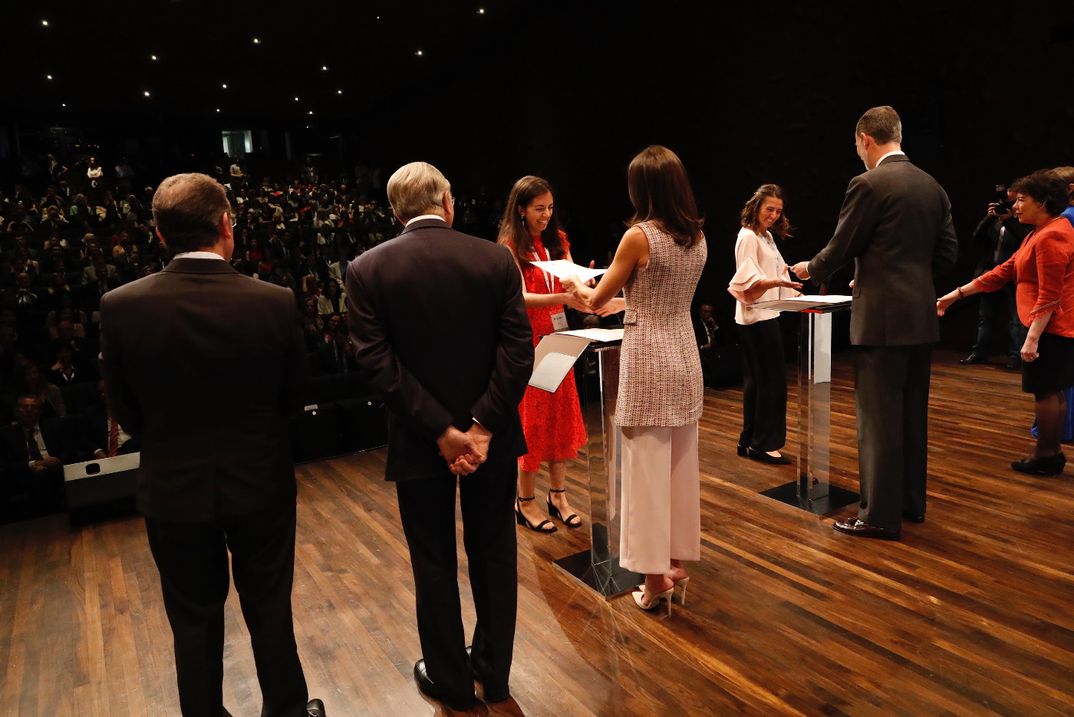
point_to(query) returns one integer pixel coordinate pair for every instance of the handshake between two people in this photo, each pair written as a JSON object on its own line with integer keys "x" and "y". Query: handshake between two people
{"x": 581, "y": 294}
{"x": 464, "y": 451}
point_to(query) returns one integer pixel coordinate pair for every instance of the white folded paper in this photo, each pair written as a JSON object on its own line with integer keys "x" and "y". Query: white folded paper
{"x": 800, "y": 303}
{"x": 561, "y": 269}
{"x": 599, "y": 335}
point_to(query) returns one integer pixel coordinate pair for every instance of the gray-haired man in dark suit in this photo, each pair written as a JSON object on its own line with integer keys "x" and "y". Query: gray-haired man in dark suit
{"x": 896, "y": 225}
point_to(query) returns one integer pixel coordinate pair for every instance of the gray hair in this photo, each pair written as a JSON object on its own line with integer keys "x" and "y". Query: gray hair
{"x": 415, "y": 189}
{"x": 881, "y": 123}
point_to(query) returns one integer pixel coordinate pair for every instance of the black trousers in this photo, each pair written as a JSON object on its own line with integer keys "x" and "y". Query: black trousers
{"x": 999, "y": 302}
{"x": 892, "y": 392}
{"x": 764, "y": 386}
{"x": 427, "y": 510}
{"x": 193, "y": 562}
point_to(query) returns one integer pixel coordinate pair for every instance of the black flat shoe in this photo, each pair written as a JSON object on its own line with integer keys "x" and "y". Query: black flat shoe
{"x": 742, "y": 450}
{"x": 974, "y": 357}
{"x": 432, "y": 690}
{"x": 1043, "y": 466}
{"x": 861, "y": 529}
{"x": 315, "y": 708}
{"x": 763, "y": 457}
{"x": 572, "y": 521}
{"x": 545, "y": 526}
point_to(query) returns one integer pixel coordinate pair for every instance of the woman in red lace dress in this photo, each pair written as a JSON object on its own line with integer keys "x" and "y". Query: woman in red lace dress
{"x": 552, "y": 422}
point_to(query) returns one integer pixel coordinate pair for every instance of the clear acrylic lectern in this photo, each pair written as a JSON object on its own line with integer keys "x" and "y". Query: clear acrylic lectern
{"x": 812, "y": 491}
{"x": 599, "y": 567}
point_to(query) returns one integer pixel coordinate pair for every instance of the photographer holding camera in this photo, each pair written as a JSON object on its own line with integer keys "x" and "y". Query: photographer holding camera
{"x": 1001, "y": 234}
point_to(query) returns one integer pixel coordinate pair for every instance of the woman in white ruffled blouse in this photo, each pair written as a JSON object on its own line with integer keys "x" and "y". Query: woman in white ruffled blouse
{"x": 761, "y": 275}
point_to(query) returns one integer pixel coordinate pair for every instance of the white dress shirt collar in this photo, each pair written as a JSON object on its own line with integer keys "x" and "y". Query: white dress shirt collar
{"x": 892, "y": 153}
{"x": 423, "y": 217}
{"x": 199, "y": 255}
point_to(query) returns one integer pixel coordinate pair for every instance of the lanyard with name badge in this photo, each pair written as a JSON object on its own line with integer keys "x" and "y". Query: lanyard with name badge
{"x": 559, "y": 317}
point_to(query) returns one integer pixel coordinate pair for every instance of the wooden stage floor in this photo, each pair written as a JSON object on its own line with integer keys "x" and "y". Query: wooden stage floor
{"x": 972, "y": 613}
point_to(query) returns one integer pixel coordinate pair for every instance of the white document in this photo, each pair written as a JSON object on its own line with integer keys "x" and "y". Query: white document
{"x": 599, "y": 335}
{"x": 561, "y": 269}
{"x": 554, "y": 357}
{"x": 801, "y": 303}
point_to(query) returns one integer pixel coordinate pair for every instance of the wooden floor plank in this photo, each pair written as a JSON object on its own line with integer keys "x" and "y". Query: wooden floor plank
{"x": 971, "y": 614}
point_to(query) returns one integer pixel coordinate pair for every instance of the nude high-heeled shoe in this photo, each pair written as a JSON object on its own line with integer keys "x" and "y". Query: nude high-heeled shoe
{"x": 650, "y": 602}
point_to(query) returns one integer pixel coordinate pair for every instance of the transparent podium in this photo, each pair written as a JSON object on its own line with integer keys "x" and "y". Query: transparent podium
{"x": 599, "y": 566}
{"x": 813, "y": 491}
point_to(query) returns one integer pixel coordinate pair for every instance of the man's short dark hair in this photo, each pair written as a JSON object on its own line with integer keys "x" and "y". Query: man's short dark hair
{"x": 1066, "y": 175}
{"x": 187, "y": 209}
{"x": 881, "y": 123}
{"x": 1046, "y": 188}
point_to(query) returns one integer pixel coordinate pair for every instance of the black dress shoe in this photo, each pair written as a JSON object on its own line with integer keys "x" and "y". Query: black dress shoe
{"x": 914, "y": 517}
{"x": 490, "y": 692}
{"x": 861, "y": 529}
{"x": 974, "y": 357}
{"x": 742, "y": 450}
{"x": 765, "y": 458}
{"x": 432, "y": 690}
{"x": 315, "y": 708}
{"x": 1042, "y": 466}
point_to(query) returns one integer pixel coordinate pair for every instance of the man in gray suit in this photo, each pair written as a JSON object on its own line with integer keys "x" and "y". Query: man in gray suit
{"x": 896, "y": 225}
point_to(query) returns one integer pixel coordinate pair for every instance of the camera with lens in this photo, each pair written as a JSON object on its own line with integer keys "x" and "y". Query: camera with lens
{"x": 1001, "y": 204}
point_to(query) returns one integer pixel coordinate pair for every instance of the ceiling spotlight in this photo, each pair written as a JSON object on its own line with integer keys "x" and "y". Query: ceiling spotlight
{"x": 324, "y": 68}
{"x": 153, "y": 58}
{"x": 310, "y": 112}
{"x": 223, "y": 85}
{"x": 44, "y": 23}
{"x": 339, "y": 92}
{"x": 63, "y": 104}
{"x": 378, "y": 17}
{"x": 145, "y": 93}
{"x": 481, "y": 11}
{"x": 48, "y": 77}
{"x": 257, "y": 40}
{"x": 217, "y": 109}
{"x": 296, "y": 98}
{"x": 419, "y": 53}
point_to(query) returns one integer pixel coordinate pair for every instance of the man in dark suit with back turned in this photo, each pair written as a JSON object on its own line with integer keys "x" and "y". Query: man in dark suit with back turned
{"x": 441, "y": 334}
{"x": 896, "y": 225}
{"x": 205, "y": 366}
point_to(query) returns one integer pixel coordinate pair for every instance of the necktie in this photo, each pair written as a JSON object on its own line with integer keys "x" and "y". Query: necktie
{"x": 113, "y": 437}
{"x": 31, "y": 446}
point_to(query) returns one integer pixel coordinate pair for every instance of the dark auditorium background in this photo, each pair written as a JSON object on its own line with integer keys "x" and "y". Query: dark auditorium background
{"x": 745, "y": 92}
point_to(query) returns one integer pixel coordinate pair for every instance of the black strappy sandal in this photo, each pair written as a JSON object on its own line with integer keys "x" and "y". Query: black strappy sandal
{"x": 545, "y": 526}
{"x": 572, "y": 521}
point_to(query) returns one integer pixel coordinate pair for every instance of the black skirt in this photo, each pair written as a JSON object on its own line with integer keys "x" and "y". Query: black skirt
{"x": 1053, "y": 370}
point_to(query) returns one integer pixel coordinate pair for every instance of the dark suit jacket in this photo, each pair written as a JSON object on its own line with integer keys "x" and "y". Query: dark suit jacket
{"x": 442, "y": 337}
{"x": 60, "y": 438}
{"x": 205, "y": 366}
{"x": 896, "y": 224}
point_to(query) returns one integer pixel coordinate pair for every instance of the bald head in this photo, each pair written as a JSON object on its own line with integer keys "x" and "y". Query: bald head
{"x": 189, "y": 212}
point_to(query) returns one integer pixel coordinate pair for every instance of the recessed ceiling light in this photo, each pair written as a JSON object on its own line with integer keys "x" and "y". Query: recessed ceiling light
{"x": 481, "y": 11}
{"x": 310, "y": 112}
{"x": 154, "y": 58}
{"x": 339, "y": 92}
{"x": 63, "y": 104}
{"x": 419, "y": 53}
{"x": 145, "y": 93}
{"x": 217, "y": 109}
{"x": 257, "y": 40}
{"x": 223, "y": 85}
{"x": 324, "y": 68}
{"x": 48, "y": 77}
{"x": 296, "y": 98}
{"x": 44, "y": 23}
